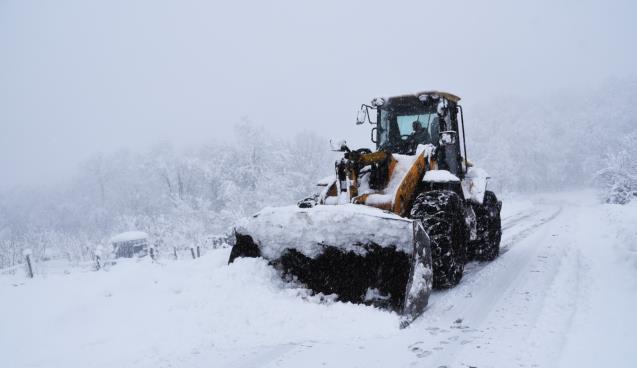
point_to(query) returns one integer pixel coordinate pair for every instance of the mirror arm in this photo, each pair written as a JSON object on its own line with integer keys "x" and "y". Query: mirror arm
{"x": 464, "y": 141}
{"x": 367, "y": 107}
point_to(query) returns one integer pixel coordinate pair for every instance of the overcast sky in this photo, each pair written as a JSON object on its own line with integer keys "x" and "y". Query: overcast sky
{"x": 78, "y": 76}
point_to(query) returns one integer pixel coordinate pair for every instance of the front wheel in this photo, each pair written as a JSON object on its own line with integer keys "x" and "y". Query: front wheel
{"x": 486, "y": 247}
{"x": 442, "y": 214}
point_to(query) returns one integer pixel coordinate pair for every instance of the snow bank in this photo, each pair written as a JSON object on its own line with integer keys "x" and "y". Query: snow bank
{"x": 191, "y": 313}
{"x": 624, "y": 217}
{"x": 309, "y": 230}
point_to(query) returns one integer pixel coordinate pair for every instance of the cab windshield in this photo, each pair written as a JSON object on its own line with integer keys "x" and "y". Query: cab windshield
{"x": 403, "y": 132}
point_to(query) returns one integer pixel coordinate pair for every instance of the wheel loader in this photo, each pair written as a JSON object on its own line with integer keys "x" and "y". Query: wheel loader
{"x": 392, "y": 223}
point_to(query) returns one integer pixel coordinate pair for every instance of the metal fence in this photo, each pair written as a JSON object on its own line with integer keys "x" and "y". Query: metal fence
{"x": 35, "y": 268}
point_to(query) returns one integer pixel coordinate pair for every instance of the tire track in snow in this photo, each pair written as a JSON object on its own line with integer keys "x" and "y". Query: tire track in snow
{"x": 485, "y": 294}
{"x": 511, "y": 221}
{"x": 267, "y": 356}
{"x": 511, "y": 240}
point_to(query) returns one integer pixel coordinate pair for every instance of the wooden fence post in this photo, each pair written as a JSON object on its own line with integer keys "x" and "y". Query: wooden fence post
{"x": 98, "y": 257}
{"x": 29, "y": 267}
{"x": 192, "y": 251}
{"x": 175, "y": 253}
{"x": 198, "y": 252}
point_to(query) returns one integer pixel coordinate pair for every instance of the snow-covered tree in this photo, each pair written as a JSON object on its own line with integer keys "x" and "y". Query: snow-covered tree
{"x": 617, "y": 181}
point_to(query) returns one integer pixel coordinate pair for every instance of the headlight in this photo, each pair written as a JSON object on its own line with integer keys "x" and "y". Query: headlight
{"x": 426, "y": 96}
{"x": 378, "y": 101}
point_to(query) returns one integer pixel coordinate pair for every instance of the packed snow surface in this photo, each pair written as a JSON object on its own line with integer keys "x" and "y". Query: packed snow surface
{"x": 563, "y": 293}
{"x": 309, "y": 230}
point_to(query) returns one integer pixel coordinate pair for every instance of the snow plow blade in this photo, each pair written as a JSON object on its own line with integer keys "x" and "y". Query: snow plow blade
{"x": 361, "y": 254}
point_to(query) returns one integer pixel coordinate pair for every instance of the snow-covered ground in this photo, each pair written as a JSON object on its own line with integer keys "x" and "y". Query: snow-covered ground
{"x": 563, "y": 293}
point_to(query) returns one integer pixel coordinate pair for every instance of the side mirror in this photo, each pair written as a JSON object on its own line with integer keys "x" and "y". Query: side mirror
{"x": 362, "y": 116}
{"x": 448, "y": 137}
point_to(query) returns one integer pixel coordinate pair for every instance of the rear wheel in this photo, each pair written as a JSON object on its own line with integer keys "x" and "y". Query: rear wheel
{"x": 486, "y": 247}
{"x": 442, "y": 216}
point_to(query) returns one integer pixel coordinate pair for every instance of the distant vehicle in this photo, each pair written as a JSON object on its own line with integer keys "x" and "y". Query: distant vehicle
{"x": 130, "y": 244}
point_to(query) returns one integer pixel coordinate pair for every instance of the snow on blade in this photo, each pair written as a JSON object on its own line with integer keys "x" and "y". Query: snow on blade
{"x": 421, "y": 274}
{"x": 308, "y": 230}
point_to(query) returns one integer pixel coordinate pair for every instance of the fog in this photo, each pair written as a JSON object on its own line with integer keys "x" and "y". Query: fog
{"x": 80, "y": 77}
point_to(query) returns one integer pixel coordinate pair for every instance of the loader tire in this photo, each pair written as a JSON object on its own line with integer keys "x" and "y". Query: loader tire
{"x": 442, "y": 216}
{"x": 486, "y": 247}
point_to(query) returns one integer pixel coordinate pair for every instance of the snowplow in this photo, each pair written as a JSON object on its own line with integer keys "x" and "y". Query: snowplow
{"x": 392, "y": 223}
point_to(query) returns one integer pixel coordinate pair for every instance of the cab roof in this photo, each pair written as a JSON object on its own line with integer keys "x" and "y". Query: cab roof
{"x": 447, "y": 95}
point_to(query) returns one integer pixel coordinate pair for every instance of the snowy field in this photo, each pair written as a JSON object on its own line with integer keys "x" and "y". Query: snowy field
{"x": 562, "y": 294}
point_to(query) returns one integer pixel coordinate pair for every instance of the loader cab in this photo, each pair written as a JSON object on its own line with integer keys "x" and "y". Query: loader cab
{"x": 404, "y": 122}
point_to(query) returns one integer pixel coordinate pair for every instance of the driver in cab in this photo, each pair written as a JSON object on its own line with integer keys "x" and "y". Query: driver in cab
{"x": 420, "y": 135}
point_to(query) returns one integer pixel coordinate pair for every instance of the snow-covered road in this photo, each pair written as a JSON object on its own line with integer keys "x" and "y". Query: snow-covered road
{"x": 562, "y": 294}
